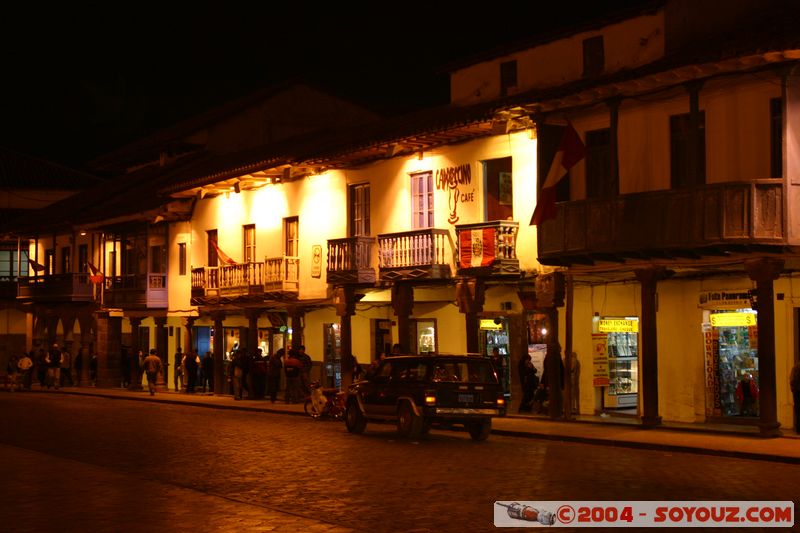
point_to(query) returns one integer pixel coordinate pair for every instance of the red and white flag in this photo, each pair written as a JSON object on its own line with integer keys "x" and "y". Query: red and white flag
{"x": 96, "y": 276}
{"x": 37, "y": 267}
{"x": 570, "y": 151}
{"x": 476, "y": 247}
{"x": 222, "y": 256}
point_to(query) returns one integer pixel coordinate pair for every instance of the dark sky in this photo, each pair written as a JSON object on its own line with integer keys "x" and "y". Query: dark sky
{"x": 83, "y": 78}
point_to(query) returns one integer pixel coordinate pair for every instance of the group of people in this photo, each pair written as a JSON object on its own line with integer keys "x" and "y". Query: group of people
{"x": 260, "y": 376}
{"x": 193, "y": 371}
{"x": 53, "y": 368}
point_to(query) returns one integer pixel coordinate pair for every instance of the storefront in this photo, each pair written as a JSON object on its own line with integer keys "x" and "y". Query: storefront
{"x": 730, "y": 333}
{"x": 493, "y": 340}
{"x": 616, "y": 363}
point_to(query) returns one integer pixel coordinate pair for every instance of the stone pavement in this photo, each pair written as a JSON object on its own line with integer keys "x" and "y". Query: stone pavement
{"x": 726, "y": 441}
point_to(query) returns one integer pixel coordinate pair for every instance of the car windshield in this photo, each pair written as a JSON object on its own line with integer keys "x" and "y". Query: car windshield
{"x": 463, "y": 372}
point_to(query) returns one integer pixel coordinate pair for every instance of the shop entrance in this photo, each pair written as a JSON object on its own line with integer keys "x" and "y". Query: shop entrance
{"x": 332, "y": 376}
{"x": 731, "y": 357}
{"x": 616, "y": 363}
{"x": 493, "y": 340}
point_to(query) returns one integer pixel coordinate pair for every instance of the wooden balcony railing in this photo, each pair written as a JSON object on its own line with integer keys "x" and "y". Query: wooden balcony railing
{"x": 136, "y": 290}
{"x": 58, "y": 288}
{"x": 282, "y": 274}
{"x": 350, "y": 260}
{"x": 419, "y": 254}
{"x": 230, "y": 281}
{"x": 691, "y": 222}
{"x": 488, "y": 248}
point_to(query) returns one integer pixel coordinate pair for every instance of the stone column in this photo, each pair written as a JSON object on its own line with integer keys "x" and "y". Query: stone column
{"x": 648, "y": 277}
{"x": 219, "y": 354}
{"x": 470, "y": 294}
{"x": 403, "y": 305}
{"x": 162, "y": 348}
{"x": 764, "y": 272}
{"x": 109, "y": 343}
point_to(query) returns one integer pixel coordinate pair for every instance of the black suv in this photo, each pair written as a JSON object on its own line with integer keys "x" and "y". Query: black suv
{"x": 419, "y": 391}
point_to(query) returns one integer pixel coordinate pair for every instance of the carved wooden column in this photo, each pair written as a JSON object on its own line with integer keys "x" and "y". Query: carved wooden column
{"x": 764, "y": 272}
{"x": 189, "y": 343}
{"x": 136, "y": 372}
{"x": 470, "y": 294}
{"x": 297, "y": 315}
{"x": 252, "y": 330}
{"x": 345, "y": 301}
{"x": 403, "y": 305}
{"x": 162, "y": 347}
{"x": 648, "y": 277}
{"x": 219, "y": 354}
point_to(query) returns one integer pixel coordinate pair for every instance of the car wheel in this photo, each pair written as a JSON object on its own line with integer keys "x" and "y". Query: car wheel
{"x": 480, "y": 430}
{"x": 408, "y": 423}
{"x": 310, "y": 410}
{"x": 354, "y": 418}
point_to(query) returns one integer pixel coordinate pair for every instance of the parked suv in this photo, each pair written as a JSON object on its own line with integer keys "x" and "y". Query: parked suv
{"x": 420, "y": 391}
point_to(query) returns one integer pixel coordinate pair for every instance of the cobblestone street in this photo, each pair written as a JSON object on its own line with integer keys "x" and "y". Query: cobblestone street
{"x": 76, "y": 463}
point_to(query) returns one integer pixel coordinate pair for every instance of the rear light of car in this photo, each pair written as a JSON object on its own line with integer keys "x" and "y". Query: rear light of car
{"x": 430, "y": 399}
{"x": 501, "y": 401}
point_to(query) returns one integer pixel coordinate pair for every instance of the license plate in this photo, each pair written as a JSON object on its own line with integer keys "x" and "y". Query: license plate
{"x": 465, "y": 398}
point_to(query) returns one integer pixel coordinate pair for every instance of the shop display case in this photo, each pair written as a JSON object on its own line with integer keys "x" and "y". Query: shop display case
{"x": 623, "y": 371}
{"x": 737, "y": 358}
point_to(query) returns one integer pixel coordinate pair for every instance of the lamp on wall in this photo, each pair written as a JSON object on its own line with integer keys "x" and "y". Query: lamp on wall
{"x": 236, "y": 188}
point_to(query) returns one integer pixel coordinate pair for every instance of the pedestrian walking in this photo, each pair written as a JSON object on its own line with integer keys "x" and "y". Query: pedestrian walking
{"x": 794, "y": 385}
{"x": 53, "y": 361}
{"x": 152, "y": 368}
{"x": 12, "y": 368}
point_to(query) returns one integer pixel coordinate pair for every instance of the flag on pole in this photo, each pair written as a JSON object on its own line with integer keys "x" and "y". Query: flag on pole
{"x": 476, "y": 248}
{"x": 225, "y": 258}
{"x": 37, "y": 267}
{"x": 570, "y": 151}
{"x": 96, "y": 277}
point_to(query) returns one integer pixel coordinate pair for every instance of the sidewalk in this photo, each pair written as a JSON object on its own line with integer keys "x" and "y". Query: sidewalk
{"x": 728, "y": 441}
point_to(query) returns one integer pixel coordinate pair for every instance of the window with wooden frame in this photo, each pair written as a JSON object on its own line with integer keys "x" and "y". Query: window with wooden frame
{"x": 683, "y": 156}
{"x": 422, "y": 200}
{"x": 291, "y": 232}
{"x": 213, "y": 257}
{"x": 359, "y": 209}
{"x": 181, "y": 258}
{"x": 249, "y": 240}
{"x": 776, "y": 137}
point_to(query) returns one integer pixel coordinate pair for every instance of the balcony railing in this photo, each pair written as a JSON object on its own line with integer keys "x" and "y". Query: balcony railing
{"x": 282, "y": 274}
{"x": 691, "y": 222}
{"x": 419, "y": 254}
{"x": 230, "y": 281}
{"x": 136, "y": 290}
{"x": 350, "y": 260}
{"x": 58, "y": 287}
{"x": 488, "y": 248}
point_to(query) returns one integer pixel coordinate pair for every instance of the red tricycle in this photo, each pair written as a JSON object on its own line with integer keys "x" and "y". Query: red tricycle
{"x": 324, "y": 402}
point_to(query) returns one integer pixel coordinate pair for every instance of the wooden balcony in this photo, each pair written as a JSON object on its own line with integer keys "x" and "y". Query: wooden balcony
{"x": 282, "y": 275}
{"x": 350, "y": 261}
{"x": 56, "y": 288}
{"x": 136, "y": 291}
{"x": 239, "y": 281}
{"x": 710, "y": 220}
{"x": 488, "y": 249}
{"x": 414, "y": 255}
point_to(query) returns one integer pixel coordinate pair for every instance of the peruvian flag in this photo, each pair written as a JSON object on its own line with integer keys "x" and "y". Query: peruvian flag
{"x": 476, "y": 247}
{"x": 96, "y": 277}
{"x": 222, "y": 256}
{"x": 570, "y": 151}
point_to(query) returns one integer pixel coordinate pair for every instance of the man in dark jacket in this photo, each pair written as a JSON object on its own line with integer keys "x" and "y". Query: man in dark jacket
{"x": 53, "y": 361}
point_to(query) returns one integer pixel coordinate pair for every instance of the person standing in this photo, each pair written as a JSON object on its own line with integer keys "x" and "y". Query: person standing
{"x": 794, "y": 385}
{"x": 305, "y": 373}
{"x": 66, "y": 368}
{"x": 529, "y": 381}
{"x": 53, "y": 361}
{"x": 192, "y": 366}
{"x": 274, "y": 366}
{"x": 152, "y": 368}
{"x": 292, "y": 367}
{"x": 13, "y": 371}
{"x": 25, "y": 366}
{"x": 41, "y": 367}
{"x": 237, "y": 372}
{"x": 177, "y": 363}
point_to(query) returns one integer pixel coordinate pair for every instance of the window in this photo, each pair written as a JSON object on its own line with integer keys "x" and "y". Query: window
{"x": 213, "y": 258}
{"x": 683, "y": 156}
{"x": 66, "y": 254}
{"x": 508, "y": 77}
{"x": 359, "y": 209}
{"x": 158, "y": 259}
{"x": 181, "y": 258}
{"x": 49, "y": 262}
{"x": 249, "y": 240}
{"x": 422, "y": 200}
{"x": 290, "y": 234}
{"x": 8, "y": 264}
{"x": 776, "y": 137}
{"x": 83, "y": 258}
{"x": 499, "y": 189}
{"x": 599, "y": 182}
{"x": 593, "y": 56}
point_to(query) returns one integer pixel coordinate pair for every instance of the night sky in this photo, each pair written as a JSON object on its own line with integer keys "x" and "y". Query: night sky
{"x": 81, "y": 79}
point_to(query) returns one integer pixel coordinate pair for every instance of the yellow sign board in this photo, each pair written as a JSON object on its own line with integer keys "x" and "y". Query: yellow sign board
{"x": 490, "y": 324}
{"x": 618, "y": 325}
{"x": 733, "y": 319}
